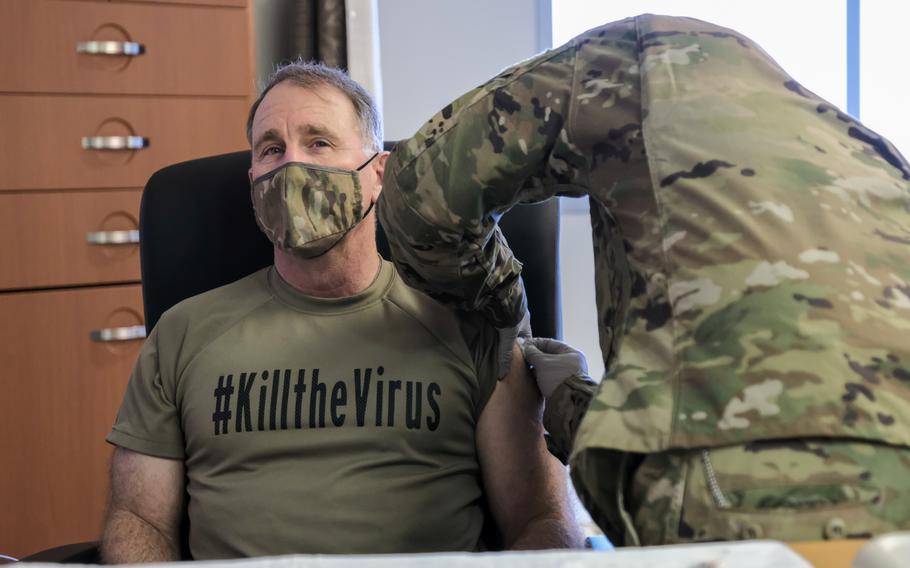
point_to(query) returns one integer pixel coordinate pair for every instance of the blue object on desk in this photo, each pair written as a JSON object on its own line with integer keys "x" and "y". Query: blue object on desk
{"x": 598, "y": 542}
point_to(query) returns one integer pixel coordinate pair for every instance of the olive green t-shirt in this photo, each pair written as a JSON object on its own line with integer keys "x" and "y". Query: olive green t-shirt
{"x": 313, "y": 425}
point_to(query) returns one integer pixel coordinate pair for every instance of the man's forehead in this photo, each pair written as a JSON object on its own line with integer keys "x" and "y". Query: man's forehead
{"x": 320, "y": 107}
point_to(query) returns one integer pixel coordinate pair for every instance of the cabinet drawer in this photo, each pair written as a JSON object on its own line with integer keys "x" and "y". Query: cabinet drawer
{"x": 61, "y": 239}
{"x": 41, "y": 146}
{"x": 61, "y": 392}
{"x": 187, "y": 50}
{"x": 237, "y": 3}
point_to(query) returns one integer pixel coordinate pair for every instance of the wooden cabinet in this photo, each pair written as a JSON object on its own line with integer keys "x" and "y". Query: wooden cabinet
{"x": 46, "y": 238}
{"x": 185, "y": 50}
{"x": 61, "y": 391}
{"x": 82, "y": 131}
{"x": 171, "y": 129}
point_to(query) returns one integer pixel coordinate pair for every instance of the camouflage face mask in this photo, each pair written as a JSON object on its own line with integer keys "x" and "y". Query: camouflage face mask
{"x": 306, "y": 209}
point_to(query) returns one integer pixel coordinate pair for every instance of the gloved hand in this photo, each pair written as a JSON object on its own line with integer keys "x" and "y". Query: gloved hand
{"x": 507, "y": 338}
{"x": 552, "y": 362}
{"x": 561, "y": 372}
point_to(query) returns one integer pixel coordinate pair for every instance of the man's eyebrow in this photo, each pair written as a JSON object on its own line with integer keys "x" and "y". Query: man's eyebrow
{"x": 270, "y": 135}
{"x": 316, "y": 130}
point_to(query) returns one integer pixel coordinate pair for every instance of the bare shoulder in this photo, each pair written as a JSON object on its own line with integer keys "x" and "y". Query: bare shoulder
{"x": 515, "y": 407}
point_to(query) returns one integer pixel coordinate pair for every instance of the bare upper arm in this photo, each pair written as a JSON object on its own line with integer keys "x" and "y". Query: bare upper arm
{"x": 522, "y": 481}
{"x": 149, "y": 488}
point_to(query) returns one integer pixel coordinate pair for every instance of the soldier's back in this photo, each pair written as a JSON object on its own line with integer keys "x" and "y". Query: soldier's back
{"x": 766, "y": 238}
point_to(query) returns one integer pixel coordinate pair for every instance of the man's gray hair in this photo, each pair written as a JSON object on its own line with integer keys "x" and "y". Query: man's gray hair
{"x": 310, "y": 74}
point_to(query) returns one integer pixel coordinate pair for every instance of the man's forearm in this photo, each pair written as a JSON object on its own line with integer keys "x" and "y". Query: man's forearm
{"x": 549, "y": 532}
{"x": 129, "y": 539}
{"x": 553, "y": 525}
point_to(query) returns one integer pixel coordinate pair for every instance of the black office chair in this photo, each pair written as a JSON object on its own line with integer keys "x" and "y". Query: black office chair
{"x": 78, "y": 553}
{"x": 198, "y": 232}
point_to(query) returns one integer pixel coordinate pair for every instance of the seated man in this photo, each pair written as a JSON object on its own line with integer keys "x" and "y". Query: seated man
{"x": 320, "y": 405}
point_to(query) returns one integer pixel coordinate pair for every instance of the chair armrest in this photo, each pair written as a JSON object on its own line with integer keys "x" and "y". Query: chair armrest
{"x": 77, "y": 553}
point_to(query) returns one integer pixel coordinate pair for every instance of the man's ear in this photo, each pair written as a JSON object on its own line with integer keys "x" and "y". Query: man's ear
{"x": 380, "y": 164}
{"x": 379, "y": 168}
{"x": 249, "y": 174}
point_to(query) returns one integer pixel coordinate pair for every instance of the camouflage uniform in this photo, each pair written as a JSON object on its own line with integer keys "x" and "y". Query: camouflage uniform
{"x": 752, "y": 250}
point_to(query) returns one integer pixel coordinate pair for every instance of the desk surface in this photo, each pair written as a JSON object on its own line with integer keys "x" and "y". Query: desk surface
{"x": 888, "y": 551}
{"x": 753, "y": 554}
{"x": 829, "y": 553}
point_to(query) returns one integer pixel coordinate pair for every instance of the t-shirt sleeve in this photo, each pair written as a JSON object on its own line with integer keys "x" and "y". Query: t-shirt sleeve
{"x": 483, "y": 341}
{"x": 148, "y": 421}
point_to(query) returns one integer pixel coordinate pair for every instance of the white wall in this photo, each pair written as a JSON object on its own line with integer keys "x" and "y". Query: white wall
{"x": 884, "y": 81}
{"x": 817, "y": 59}
{"x": 576, "y": 278}
{"x": 435, "y": 50}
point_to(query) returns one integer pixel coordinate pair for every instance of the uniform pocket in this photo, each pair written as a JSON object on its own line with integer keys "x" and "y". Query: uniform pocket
{"x": 786, "y": 476}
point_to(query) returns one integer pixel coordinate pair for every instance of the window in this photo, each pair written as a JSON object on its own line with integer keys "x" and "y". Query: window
{"x": 884, "y": 83}
{"x": 815, "y": 55}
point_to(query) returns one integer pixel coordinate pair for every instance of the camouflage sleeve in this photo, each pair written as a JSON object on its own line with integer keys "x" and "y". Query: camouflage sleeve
{"x": 563, "y": 413}
{"x": 445, "y": 188}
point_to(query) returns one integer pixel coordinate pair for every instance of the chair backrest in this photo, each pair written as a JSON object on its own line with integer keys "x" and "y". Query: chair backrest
{"x": 198, "y": 232}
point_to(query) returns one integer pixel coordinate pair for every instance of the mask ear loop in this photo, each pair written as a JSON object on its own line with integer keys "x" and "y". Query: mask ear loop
{"x": 367, "y": 212}
{"x": 367, "y": 162}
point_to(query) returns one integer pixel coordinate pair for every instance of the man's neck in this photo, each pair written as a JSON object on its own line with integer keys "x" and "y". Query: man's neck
{"x": 347, "y": 269}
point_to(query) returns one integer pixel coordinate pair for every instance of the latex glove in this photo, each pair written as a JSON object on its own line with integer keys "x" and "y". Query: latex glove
{"x": 507, "y": 338}
{"x": 561, "y": 372}
{"x": 552, "y": 362}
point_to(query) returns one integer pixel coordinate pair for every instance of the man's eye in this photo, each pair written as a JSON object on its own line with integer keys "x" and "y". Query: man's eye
{"x": 320, "y": 144}
{"x": 271, "y": 150}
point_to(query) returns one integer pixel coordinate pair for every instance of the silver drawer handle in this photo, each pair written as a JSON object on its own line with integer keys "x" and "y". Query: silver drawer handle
{"x": 114, "y": 142}
{"x": 119, "y": 334}
{"x": 130, "y": 48}
{"x": 113, "y": 237}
